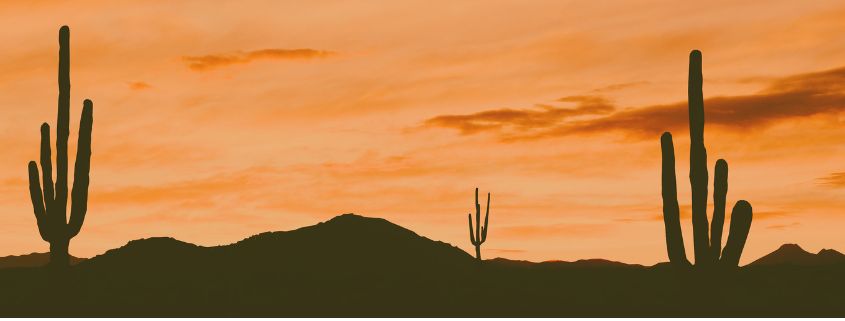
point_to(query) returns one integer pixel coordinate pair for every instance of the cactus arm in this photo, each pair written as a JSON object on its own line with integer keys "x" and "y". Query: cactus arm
{"x": 79, "y": 194}
{"x": 740, "y": 226}
{"x": 46, "y": 166}
{"x": 720, "y": 191}
{"x": 38, "y": 201}
{"x": 698, "y": 160}
{"x": 671, "y": 211}
{"x": 471, "y": 236}
{"x": 477, "y": 218}
{"x": 486, "y": 217}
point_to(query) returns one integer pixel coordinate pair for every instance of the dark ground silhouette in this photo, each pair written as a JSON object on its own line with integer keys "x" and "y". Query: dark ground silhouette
{"x": 358, "y": 266}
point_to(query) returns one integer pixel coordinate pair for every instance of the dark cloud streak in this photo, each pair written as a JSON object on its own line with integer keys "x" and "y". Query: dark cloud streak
{"x": 833, "y": 180}
{"x": 207, "y": 62}
{"x": 786, "y": 98}
{"x": 542, "y": 116}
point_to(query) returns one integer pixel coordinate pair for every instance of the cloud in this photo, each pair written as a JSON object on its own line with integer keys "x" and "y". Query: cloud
{"x": 786, "y": 98}
{"x": 522, "y": 119}
{"x": 686, "y": 213}
{"x": 208, "y": 62}
{"x": 191, "y": 193}
{"x": 545, "y": 231}
{"x": 835, "y": 180}
{"x": 783, "y": 226}
{"x": 139, "y": 85}
{"x": 129, "y": 153}
{"x": 181, "y": 218}
{"x": 620, "y": 86}
{"x": 373, "y": 175}
{"x": 506, "y": 251}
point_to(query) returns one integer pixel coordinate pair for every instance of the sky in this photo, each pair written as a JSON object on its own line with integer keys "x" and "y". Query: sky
{"x": 214, "y": 122}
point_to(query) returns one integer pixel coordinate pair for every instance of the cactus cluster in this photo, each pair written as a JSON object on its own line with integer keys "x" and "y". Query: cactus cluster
{"x": 480, "y": 232}
{"x": 708, "y": 248}
{"x": 50, "y": 202}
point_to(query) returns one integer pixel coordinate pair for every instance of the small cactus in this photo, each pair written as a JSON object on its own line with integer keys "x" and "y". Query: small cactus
{"x": 480, "y": 232}
{"x": 708, "y": 251}
{"x": 49, "y": 205}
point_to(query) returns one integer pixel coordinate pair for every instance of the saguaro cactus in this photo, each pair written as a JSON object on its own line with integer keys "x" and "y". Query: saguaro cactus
{"x": 708, "y": 251}
{"x": 480, "y": 232}
{"x": 50, "y": 203}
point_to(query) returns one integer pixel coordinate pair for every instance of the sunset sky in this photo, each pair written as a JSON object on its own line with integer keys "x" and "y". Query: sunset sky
{"x": 217, "y": 120}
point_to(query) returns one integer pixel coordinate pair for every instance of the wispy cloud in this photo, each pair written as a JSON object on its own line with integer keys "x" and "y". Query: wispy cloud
{"x": 620, "y": 86}
{"x": 686, "y": 213}
{"x": 208, "y": 62}
{"x": 835, "y": 180}
{"x": 506, "y": 251}
{"x": 783, "y": 226}
{"x": 544, "y": 231}
{"x": 786, "y": 98}
{"x": 181, "y": 218}
{"x": 194, "y": 193}
{"x": 543, "y": 116}
{"x": 139, "y": 85}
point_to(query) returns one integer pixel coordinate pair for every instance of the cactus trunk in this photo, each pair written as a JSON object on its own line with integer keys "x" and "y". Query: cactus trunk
{"x": 698, "y": 160}
{"x": 59, "y": 256}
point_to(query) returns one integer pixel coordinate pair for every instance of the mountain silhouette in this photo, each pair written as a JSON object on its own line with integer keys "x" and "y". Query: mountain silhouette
{"x": 349, "y": 239}
{"x": 830, "y": 255}
{"x": 792, "y": 254}
{"x": 31, "y": 260}
{"x": 586, "y": 263}
{"x": 369, "y": 267}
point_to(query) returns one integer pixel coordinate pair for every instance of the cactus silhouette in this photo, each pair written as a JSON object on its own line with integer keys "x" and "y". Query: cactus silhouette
{"x": 708, "y": 251}
{"x": 480, "y": 232}
{"x": 50, "y": 203}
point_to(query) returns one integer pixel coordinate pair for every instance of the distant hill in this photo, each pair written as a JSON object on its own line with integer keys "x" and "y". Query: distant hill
{"x": 792, "y": 254}
{"x": 587, "y": 263}
{"x": 30, "y": 260}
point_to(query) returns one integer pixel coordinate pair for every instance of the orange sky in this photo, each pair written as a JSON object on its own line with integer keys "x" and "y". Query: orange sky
{"x": 216, "y": 122}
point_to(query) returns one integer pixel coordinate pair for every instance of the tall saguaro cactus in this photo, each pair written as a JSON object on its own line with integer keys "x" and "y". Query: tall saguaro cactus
{"x": 480, "y": 232}
{"x": 708, "y": 251}
{"x": 50, "y": 203}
